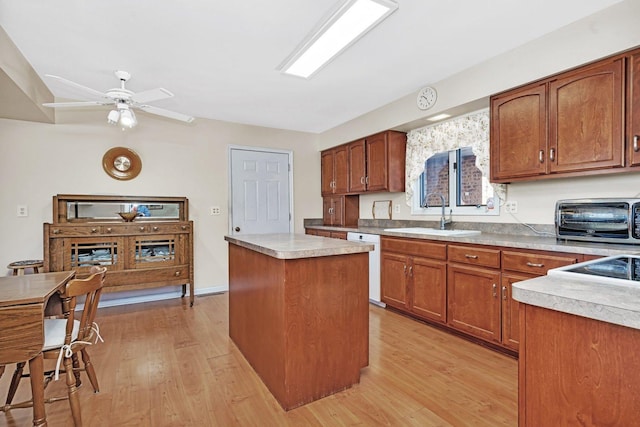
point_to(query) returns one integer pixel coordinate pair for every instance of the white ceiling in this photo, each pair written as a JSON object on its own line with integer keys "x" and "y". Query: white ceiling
{"x": 219, "y": 58}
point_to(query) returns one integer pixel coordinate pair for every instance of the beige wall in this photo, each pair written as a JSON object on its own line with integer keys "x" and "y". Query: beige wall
{"x": 612, "y": 30}
{"x": 40, "y": 160}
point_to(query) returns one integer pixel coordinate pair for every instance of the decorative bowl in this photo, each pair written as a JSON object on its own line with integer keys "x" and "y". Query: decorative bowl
{"x": 128, "y": 216}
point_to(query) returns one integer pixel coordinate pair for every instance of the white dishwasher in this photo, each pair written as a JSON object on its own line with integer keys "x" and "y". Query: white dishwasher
{"x": 374, "y": 264}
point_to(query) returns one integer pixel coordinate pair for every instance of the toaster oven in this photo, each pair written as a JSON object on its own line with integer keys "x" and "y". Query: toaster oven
{"x": 613, "y": 220}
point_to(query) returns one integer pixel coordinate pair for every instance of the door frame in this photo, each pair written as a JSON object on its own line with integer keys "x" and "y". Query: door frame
{"x": 289, "y": 154}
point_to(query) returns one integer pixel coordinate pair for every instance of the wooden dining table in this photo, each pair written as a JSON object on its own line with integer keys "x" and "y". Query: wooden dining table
{"x": 22, "y": 305}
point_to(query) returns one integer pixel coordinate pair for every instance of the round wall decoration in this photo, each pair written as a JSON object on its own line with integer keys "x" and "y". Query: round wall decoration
{"x": 121, "y": 163}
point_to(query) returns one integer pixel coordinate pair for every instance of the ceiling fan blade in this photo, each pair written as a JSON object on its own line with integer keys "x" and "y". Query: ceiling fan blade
{"x": 151, "y": 95}
{"x": 86, "y": 91}
{"x": 166, "y": 113}
{"x": 74, "y": 104}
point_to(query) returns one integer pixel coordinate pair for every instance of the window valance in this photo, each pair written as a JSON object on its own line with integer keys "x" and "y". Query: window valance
{"x": 471, "y": 130}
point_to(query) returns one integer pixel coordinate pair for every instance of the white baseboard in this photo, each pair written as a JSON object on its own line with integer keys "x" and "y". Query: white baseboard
{"x": 136, "y": 297}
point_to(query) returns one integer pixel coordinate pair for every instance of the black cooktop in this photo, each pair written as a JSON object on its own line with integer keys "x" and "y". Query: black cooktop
{"x": 624, "y": 267}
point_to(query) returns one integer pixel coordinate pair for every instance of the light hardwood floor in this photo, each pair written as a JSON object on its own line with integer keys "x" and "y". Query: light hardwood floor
{"x": 165, "y": 364}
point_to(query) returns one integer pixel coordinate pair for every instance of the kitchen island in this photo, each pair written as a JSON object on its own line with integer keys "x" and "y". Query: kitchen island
{"x": 579, "y": 360}
{"x": 298, "y": 312}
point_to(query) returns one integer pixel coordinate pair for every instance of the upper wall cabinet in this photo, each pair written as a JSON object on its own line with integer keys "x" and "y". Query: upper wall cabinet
{"x": 570, "y": 124}
{"x": 376, "y": 163}
{"x": 335, "y": 171}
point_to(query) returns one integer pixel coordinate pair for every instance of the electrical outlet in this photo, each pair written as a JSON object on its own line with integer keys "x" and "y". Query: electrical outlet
{"x": 215, "y": 210}
{"x": 23, "y": 210}
{"x": 396, "y": 208}
{"x": 511, "y": 207}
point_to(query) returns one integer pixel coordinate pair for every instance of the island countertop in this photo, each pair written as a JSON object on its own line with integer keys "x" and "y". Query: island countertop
{"x": 293, "y": 246}
{"x": 613, "y": 303}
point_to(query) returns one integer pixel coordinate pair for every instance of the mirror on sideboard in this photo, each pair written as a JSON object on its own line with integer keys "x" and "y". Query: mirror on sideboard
{"x": 86, "y": 208}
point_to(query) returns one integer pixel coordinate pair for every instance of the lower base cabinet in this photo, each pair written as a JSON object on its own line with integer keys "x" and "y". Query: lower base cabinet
{"x": 413, "y": 282}
{"x": 464, "y": 287}
{"x": 327, "y": 233}
{"x": 575, "y": 371}
{"x": 474, "y": 301}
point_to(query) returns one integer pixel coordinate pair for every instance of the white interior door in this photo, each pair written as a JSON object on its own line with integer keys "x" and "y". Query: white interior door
{"x": 260, "y": 191}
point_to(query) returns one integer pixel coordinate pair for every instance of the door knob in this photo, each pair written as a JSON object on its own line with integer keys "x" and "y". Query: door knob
{"x": 237, "y": 229}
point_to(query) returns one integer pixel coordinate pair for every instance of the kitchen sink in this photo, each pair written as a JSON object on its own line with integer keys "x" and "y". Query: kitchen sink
{"x": 433, "y": 231}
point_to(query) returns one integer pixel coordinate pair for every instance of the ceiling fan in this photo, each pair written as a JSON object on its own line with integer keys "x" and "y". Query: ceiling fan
{"x": 122, "y": 99}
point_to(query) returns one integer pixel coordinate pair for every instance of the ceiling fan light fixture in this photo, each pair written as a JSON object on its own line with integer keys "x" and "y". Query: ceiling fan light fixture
{"x": 113, "y": 117}
{"x": 127, "y": 118}
{"x": 351, "y": 20}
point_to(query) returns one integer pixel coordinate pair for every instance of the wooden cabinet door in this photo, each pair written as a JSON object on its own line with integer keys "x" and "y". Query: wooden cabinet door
{"x": 474, "y": 301}
{"x": 519, "y": 134}
{"x": 428, "y": 282}
{"x": 357, "y": 167}
{"x": 341, "y": 170}
{"x": 327, "y": 211}
{"x": 334, "y": 165}
{"x": 326, "y": 172}
{"x": 377, "y": 170}
{"x": 586, "y": 123}
{"x": 634, "y": 109}
{"x": 510, "y": 311}
{"x": 393, "y": 271}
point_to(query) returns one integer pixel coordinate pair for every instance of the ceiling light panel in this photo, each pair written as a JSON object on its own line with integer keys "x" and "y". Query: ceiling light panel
{"x": 351, "y": 20}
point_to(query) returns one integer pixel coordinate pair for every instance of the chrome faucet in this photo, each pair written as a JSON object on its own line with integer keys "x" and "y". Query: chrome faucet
{"x": 443, "y": 220}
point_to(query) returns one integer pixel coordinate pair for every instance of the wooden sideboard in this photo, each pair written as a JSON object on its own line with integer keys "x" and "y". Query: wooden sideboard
{"x": 152, "y": 251}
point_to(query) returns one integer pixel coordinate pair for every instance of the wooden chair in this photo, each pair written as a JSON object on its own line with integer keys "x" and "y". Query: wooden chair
{"x": 67, "y": 337}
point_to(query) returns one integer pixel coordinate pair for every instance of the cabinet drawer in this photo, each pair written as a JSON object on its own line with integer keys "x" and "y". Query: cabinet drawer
{"x": 535, "y": 263}
{"x": 474, "y": 255}
{"x": 415, "y": 247}
{"x": 75, "y": 230}
{"x": 167, "y": 228}
{"x": 178, "y": 274}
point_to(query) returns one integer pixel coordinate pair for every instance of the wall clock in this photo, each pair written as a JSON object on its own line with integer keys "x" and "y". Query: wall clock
{"x": 121, "y": 163}
{"x": 426, "y": 98}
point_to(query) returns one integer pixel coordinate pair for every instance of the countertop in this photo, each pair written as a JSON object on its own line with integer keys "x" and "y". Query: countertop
{"x": 612, "y": 303}
{"x": 293, "y": 246}
{"x": 543, "y": 243}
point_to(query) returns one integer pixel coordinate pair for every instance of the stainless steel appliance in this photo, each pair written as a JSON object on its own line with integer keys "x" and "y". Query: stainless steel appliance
{"x": 611, "y": 220}
{"x": 617, "y": 269}
{"x": 374, "y": 264}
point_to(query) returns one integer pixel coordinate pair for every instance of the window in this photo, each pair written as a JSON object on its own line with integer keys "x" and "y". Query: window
{"x": 453, "y": 176}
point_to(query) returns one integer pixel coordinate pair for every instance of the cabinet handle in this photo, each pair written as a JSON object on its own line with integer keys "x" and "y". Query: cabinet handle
{"x": 362, "y": 180}
{"x": 184, "y": 227}
{"x": 635, "y": 143}
{"x": 141, "y": 228}
{"x": 56, "y": 231}
{"x": 366, "y": 180}
{"x": 177, "y": 273}
{"x": 552, "y": 154}
{"x": 504, "y": 293}
{"x": 405, "y": 269}
{"x": 471, "y": 256}
{"x": 541, "y": 156}
{"x": 411, "y": 271}
{"x": 530, "y": 264}
{"x": 155, "y": 228}
{"x": 94, "y": 230}
{"x": 495, "y": 290}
